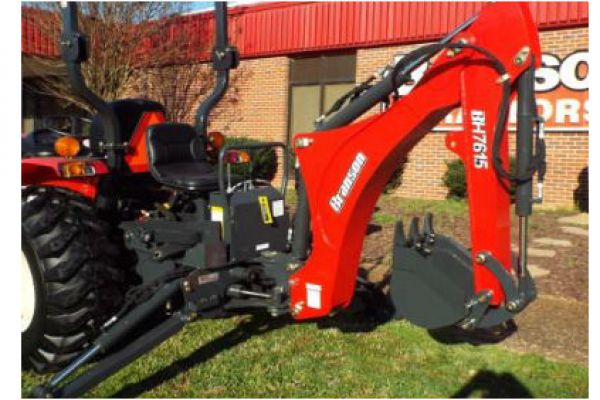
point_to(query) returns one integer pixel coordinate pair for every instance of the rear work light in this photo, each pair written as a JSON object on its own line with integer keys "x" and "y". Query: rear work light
{"x": 75, "y": 169}
{"x": 216, "y": 140}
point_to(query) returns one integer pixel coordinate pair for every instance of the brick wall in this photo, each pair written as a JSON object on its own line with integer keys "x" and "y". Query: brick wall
{"x": 567, "y": 152}
{"x": 262, "y": 106}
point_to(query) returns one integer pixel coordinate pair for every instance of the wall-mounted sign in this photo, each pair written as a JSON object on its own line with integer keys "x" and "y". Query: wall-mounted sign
{"x": 562, "y": 90}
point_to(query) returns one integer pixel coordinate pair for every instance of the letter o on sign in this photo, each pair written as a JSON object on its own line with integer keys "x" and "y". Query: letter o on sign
{"x": 569, "y": 71}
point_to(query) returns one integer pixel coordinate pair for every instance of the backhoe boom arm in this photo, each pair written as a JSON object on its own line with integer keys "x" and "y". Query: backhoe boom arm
{"x": 345, "y": 169}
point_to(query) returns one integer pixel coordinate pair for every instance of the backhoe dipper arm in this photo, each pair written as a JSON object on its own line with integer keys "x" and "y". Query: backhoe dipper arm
{"x": 345, "y": 169}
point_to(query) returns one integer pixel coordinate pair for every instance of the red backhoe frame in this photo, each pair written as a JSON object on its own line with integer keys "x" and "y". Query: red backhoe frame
{"x": 457, "y": 78}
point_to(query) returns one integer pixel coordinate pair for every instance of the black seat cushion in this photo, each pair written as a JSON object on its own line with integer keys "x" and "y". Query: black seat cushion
{"x": 177, "y": 156}
{"x": 199, "y": 176}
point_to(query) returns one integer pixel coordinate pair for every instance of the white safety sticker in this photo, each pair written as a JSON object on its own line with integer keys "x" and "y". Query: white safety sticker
{"x": 262, "y": 246}
{"x": 277, "y": 208}
{"x": 313, "y": 295}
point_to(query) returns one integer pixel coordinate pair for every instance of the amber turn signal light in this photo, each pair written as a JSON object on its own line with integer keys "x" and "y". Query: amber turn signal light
{"x": 67, "y": 146}
{"x": 243, "y": 157}
{"x": 74, "y": 169}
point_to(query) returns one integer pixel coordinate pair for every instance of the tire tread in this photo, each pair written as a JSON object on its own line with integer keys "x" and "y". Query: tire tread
{"x": 83, "y": 282}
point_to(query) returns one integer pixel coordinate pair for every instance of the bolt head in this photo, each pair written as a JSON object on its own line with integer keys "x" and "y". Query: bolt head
{"x": 470, "y": 324}
{"x": 147, "y": 237}
{"x": 293, "y": 266}
{"x": 522, "y": 56}
{"x": 481, "y": 258}
{"x": 297, "y": 308}
{"x": 303, "y": 142}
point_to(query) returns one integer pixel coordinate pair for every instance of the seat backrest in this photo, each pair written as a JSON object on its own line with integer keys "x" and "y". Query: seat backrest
{"x": 172, "y": 142}
{"x": 128, "y": 112}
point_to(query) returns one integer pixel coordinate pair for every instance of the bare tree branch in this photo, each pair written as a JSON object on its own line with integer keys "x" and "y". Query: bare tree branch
{"x": 180, "y": 88}
{"x": 124, "y": 37}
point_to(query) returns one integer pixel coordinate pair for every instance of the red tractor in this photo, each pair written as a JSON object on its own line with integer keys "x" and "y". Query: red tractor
{"x": 127, "y": 245}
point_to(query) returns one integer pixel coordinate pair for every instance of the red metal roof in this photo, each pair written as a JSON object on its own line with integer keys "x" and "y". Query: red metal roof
{"x": 278, "y": 28}
{"x": 38, "y": 30}
{"x": 285, "y": 28}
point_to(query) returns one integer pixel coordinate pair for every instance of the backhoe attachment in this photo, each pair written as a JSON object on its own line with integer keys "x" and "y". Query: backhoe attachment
{"x": 436, "y": 282}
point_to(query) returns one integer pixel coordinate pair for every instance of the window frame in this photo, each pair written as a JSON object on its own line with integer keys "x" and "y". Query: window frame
{"x": 322, "y": 81}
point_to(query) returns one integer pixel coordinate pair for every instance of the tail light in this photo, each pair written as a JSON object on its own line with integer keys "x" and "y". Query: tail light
{"x": 75, "y": 169}
{"x": 237, "y": 157}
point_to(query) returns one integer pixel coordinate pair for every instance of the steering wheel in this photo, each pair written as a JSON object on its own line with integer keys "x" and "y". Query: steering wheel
{"x": 40, "y": 142}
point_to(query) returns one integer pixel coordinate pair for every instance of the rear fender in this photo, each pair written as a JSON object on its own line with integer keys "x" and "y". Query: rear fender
{"x": 46, "y": 172}
{"x": 137, "y": 154}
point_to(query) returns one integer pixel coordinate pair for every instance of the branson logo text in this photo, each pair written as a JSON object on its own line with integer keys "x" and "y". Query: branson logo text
{"x": 337, "y": 201}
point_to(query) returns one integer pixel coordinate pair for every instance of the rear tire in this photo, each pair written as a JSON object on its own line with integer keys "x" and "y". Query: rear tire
{"x": 74, "y": 275}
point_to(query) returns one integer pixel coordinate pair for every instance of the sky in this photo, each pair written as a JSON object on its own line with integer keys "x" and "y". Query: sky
{"x": 207, "y": 5}
{"x": 201, "y": 5}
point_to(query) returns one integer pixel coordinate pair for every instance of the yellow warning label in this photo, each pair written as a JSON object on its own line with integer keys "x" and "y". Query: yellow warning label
{"x": 217, "y": 215}
{"x": 265, "y": 209}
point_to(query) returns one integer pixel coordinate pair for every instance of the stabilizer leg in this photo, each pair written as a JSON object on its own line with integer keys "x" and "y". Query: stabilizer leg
{"x": 116, "y": 361}
{"x": 113, "y": 335}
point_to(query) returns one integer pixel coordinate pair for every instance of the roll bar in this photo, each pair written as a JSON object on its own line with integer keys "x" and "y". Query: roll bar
{"x": 74, "y": 49}
{"x": 224, "y": 58}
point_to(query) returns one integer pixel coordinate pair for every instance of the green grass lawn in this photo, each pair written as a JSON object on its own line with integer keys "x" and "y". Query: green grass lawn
{"x": 242, "y": 357}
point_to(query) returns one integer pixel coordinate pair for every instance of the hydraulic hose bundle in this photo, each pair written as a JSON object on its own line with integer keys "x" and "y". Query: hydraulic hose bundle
{"x": 400, "y": 74}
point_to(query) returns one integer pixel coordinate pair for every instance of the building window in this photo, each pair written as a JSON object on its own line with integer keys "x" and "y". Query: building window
{"x": 315, "y": 84}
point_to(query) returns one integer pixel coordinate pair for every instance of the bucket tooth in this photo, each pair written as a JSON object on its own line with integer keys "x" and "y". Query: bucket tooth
{"x": 414, "y": 234}
{"x": 428, "y": 231}
{"x": 399, "y": 236}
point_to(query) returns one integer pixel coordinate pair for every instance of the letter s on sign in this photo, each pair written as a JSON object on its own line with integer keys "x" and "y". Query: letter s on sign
{"x": 547, "y": 77}
{"x": 555, "y": 72}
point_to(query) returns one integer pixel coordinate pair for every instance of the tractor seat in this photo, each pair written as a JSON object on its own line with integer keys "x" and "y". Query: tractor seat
{"x": 177, "y": 156}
